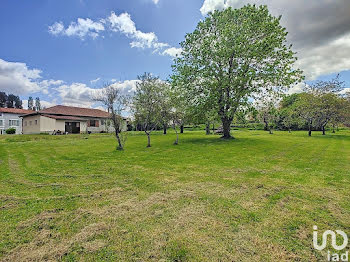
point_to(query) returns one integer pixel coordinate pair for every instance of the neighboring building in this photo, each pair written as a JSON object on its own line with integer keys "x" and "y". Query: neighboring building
{"x": 10, "y": 118}
{"x": 73, "y": 120}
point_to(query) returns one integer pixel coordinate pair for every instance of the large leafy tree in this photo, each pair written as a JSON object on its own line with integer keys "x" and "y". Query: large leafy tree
{"x": 329, "y": 103}
{"x": 267, "y": 108}
{"x": 288, "y": 112}
{"x": 11, "y": 100}
{"x": 3, "y": 99}
{"x": 306, "y": 108}
{"x": 232, "y": 55}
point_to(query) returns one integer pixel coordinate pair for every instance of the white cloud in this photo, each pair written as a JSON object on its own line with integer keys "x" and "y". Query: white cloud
{"x": 155, "y": 1}
{"x": 17, "y": 78}
{"x": 128, "y": 86}
{"x": 46, "y": 84}
{"x": 57, "y": 28}
{"x": 43, "y": 103}
{"x": 81, "y": 28}
{"x": 76, "y": 94}
{"x": 51, "y": 82}
{"x": 172, "y": 51}
{"x": 95, "y": 80}
{"x": 79, "y": 94}
{"x": 124, "y": 24}
{"x": 345, "y": 91}
{"x": 318, "y": 29}
{"x": 211, "y": 5}
{"x": 298, "y": 88}
{"x": 100, "y": 108}
{"x": 325, "y": 59}
{"x": 116, "y": 23}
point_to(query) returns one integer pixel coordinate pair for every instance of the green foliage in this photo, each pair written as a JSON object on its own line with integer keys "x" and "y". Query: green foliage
{"x": 322, "y": 104}
{"x": 151, "y": 103}
{"x": 10, "y": 131}
{"x": 289, "y": 100}
{"x": 147, "y": 102}
{"x": 232, "y": 55}
{"x": 30, "y": 103}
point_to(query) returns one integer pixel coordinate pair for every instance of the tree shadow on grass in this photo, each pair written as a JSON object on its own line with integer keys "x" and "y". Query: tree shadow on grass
{"x": 217, "y": 140}
{"x": 331, "y": 136}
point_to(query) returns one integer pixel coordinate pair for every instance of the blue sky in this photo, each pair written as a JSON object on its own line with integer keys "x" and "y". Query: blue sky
{"x": 45, "y": 51}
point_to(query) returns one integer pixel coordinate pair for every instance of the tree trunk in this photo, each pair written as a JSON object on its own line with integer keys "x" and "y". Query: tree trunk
{"x": 310, "y": 130}
{"x": 289, "y": 130}
{"x": 177, "y": 136}
{"x": 164, "y": 129}
{"x": 120, "y": 145}
{"x": 226, "y": 125}
{"x": 117, "y": 131}
{"x": 182, "y": 129}
{"x": 323, "y": 130}
{"x": 270, "y": 131}
{"x": 213, "y": 128}
{"x": 148, "y": 139}
{"x": 333, "y": 129}
{"x": 266, "y": 128}
{"x": 207, "y": 129}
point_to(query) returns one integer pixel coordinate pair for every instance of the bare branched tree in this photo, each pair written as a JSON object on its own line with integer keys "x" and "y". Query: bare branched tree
{"x": 115, "y": 102}
{"x": 147, "y": 103}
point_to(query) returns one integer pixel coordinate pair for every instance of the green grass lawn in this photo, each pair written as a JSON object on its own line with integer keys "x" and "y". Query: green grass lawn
{"x": 254, "y": 198}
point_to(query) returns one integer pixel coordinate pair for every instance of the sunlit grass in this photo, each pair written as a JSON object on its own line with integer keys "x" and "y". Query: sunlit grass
{"x": 253, "y": 198}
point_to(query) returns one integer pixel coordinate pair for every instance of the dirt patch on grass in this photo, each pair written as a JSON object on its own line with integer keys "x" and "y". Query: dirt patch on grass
{"x": 41, "y": 221}
{"x": 94, "y": 246}
{"x": 14, "y": 166}
{"x": 8, "y": 204}
{"x": 49, "y": 245}
{"x": 133, "y": 205}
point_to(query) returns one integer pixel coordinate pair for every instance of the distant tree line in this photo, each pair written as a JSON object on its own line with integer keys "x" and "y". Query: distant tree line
{"x": 10, "y": 101}
{"x": 14, "y": 101}
{"x": 32, "y": 106}
{"x": 319, "y": 106}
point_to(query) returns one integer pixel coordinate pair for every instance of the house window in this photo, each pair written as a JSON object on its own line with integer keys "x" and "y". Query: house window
{"x": 1, "y": 122}
{"x": 102, "y": 122}
{"x": 36, "y": 122}
{"x": 13, "y": 122}
{"x": 30, "y": 123}
{"x": 25, "y": 123}
{"x": 93, "y": 123}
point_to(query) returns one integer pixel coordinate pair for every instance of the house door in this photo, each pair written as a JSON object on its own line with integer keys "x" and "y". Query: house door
{"x": 72, "y": 127}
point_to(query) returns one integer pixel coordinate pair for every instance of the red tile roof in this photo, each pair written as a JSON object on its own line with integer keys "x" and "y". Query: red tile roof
{"x": 75, "y": 111}
{"x": 65, "y": 117}
{"x": 15, "y": 111}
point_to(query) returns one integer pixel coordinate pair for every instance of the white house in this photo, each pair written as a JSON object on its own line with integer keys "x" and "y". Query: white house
{"x": 67, "y": 119}
{"x": 10, "y": 118}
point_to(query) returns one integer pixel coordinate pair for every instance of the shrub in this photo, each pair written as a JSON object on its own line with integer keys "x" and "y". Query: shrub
{"x": 11, "y": 131}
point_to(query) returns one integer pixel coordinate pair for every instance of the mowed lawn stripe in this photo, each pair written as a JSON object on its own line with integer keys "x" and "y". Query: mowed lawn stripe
{"x": 253, "y": 198}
